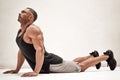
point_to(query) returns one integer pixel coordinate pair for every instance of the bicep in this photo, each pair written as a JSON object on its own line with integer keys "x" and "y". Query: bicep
{"x": 36, "y": 37}
{"x": 37, "y": 42}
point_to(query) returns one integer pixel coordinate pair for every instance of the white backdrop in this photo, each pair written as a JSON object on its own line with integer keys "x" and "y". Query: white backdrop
{"x": 71, "y": 28}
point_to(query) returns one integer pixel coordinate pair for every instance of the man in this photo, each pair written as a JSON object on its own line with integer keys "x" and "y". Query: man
{"x": 31, "y": 47}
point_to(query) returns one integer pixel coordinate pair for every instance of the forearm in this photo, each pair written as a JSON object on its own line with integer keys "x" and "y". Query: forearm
{"x": 39, "y": 60}
{"x": 20, "y": 61}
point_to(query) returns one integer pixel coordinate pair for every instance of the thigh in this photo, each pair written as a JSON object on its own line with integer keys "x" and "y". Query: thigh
{"x": 65, "y": 67}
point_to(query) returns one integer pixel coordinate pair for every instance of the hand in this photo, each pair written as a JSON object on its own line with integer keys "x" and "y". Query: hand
{"x": 29, "y": 74}
{"x": 10, "y": 71}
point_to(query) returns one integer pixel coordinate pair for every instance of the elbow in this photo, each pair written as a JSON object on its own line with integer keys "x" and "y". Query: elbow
{"x": 40, "y": 50}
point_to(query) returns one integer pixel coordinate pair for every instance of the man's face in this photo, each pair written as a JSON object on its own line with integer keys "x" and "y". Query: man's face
{"x": 24, "y": 16}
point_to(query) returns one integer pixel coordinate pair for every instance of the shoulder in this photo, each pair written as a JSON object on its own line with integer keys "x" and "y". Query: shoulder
{"x": 33, "y": 30}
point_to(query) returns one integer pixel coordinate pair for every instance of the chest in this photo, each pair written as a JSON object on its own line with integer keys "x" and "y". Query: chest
{"x": 26, "y": 38}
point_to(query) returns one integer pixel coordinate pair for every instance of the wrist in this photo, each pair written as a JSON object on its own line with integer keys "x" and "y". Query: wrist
{"x": 36, "y": 72}
{"x": 17, "y": 69}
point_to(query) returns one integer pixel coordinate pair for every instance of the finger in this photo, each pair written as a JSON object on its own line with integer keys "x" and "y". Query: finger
{"x": 7, "y": 72}
{"x": 25, "y": 75}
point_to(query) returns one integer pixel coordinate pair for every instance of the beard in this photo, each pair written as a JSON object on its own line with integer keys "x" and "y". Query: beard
{"x": 19, "y": 19}
{"x": 22, "y": 20}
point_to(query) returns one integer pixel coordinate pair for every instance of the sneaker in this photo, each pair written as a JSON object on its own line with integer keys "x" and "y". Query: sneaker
{"x": 111, "y": 60}
{"x": 96, "y": 54}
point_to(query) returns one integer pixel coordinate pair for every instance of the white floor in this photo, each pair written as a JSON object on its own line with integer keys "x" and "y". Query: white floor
{"x": 91, "y": 74}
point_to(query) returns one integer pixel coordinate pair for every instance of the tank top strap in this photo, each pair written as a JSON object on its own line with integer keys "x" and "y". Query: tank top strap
{"x": 23, "y": 31}
{"x": 18, "y": 32}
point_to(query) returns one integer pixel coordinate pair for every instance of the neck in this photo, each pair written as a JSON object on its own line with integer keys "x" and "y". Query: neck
{"x": 24, "y": 26}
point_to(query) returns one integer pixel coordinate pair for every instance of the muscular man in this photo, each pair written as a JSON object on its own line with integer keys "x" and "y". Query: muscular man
{"x": 31, "y": 47}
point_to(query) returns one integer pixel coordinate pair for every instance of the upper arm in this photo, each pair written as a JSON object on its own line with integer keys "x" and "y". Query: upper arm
{"x": 36, "y": 38}
{"x": 37, "y": 42}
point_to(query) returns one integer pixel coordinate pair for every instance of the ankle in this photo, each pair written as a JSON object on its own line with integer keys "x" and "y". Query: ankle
{"x": 105, "y": 57}
{"x": 90, "y": 56}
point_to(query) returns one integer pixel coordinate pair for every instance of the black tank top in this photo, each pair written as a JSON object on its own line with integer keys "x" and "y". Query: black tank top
{"x": 29, "y": 52}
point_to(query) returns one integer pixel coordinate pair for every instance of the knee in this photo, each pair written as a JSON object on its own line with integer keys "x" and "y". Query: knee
{"x": 82, "y": 67}
{"x": 76, "y": 60}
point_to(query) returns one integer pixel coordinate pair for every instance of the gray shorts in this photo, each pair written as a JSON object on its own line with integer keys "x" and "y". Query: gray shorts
{"x": 65, "y": 67}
